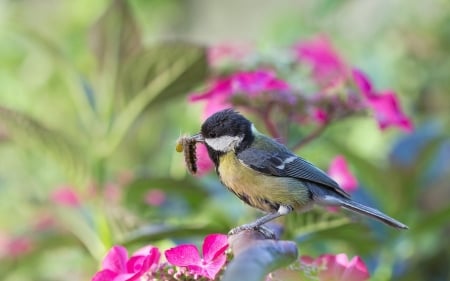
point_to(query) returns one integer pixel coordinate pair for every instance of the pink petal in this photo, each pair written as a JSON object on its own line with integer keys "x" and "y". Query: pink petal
{"x": 215, "y": 266}
{"x": 320, "y": 116}
{"x": 105, "y": 275}
{"x": 388, "y": 112}
{"x": 356, "y": 270}
{"x": 204, "y": 163}
{"x": 340, "y": 172}
{"x": 214, "y": 245}
{"x": 333, "y": 270}
{"x": 219, "y": 87}
{"x": 326, "y": 64}
{"x": 256, "y": 82}
{"x": 363, "y": 83}
{"x": 116, "y": 259}
{"x": 183, "y": 255}
{"x": 18, "y": 246}
{"x": 215, "y": 104}
{"x": 65, "y": 196}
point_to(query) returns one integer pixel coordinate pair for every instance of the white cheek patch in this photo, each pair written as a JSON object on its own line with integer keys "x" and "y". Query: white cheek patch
{"x": 224, "y": 143}
{"x": 286, "y": 161}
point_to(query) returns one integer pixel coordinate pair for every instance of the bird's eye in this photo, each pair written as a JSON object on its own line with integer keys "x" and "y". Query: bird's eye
{"x": 212, "y": 135}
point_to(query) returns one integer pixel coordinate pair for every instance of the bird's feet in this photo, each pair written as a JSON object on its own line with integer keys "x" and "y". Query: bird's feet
{"x": 266, "y": 232}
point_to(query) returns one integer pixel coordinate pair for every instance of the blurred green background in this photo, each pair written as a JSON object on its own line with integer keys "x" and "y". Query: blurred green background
{"x": 93, "y": 96}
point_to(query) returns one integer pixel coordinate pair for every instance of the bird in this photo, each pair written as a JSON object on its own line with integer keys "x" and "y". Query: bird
{"x": 266, "y": 175}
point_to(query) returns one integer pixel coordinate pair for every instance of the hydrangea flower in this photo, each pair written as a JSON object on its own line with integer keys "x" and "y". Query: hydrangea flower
{"x": 338, "y": 267}
{"x": 116, "y": 265}
{"x": 327, "y": 66}
{"x": 340, "y": 172}
{"x": 385, "y": 105}
{"x": 214, "y": 247}
{"x": 248, "y": 83}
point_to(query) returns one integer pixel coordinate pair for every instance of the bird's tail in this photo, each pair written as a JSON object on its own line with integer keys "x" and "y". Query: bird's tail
{"x": 371, "y": 212}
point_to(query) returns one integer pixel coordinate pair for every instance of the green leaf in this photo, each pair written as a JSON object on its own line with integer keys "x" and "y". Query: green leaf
{"x": 313, "y": 221}
{"x": 115, "y": 36}
{"x": 27, "y": 131}
{"x": 143, "y": 68}
{"x": 188, "y": 189}
{"x": 159, "y": 73}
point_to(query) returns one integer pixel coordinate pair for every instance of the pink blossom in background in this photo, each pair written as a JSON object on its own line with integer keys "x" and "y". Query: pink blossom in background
{"x": 256, "y": 82}
{"x": 319, "y": 116}
{"x": 384, "y": 105}
{"x": 112, "y": 192}
{"x": 388, "y": 113}
{"x": 204, "y": 163}
{"x": 65, "y": 196}
{"x": 327, "y": 66}
{"x": 249, "y": 83}
{"x": 214, "y": 247}
{"x": 155, "y": 197}
{"x": 14, "y": 246}
{"x": 363, "y": 83}
{"x": 116, "y": 265}
{"x": 340, "y": 172}
{"x": 338, "y": 267}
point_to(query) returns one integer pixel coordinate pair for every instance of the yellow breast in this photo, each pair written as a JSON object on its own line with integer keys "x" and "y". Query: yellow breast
{"x": 259, "y": 190}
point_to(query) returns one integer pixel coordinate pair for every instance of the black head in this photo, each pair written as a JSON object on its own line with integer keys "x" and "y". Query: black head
{"x": 227, "y": 130}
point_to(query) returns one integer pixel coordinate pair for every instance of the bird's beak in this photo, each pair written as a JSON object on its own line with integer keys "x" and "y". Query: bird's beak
{"x": 198, "y": 137}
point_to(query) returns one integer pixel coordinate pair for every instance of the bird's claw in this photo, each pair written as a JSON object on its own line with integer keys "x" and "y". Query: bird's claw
{"x": 266, "y": 232}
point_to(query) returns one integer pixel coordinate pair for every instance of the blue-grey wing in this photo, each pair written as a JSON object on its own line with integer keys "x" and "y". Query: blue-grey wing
{"x": 278, "y": 161}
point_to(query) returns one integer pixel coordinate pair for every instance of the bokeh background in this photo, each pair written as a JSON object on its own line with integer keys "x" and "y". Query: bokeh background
{"x": 93, "y": 98}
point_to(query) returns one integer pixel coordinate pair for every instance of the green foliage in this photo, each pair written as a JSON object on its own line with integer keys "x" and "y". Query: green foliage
{"x": 89, "y": 96}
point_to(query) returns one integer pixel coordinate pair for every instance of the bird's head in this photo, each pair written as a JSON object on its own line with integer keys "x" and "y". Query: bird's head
{"x": 226, "y": 131}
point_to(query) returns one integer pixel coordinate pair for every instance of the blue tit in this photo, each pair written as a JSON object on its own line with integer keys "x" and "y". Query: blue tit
{"x": 268, "y": 176}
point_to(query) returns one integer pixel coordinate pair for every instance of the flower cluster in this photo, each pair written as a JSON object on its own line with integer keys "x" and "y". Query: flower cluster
{"x": 330, "y": 90}
{"x": 183, "y": 262}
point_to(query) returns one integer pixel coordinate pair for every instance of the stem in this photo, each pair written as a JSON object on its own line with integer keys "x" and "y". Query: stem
{"x": 314, "y": 134}
{"x": 271, "y": 127}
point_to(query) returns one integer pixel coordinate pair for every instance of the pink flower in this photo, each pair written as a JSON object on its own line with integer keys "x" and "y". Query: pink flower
{"x": 384, "y": 105}
{"x": 214, "y": 257}
{"x": 250, "y": 84}
{"x": 204, "y": 163}
{"x": 363, "y": 83}
{"x": 388, "y": 113}
{"x": 320, "y": 116}
{"x": 155, "y": 197}
{"x": 117, "y": 267}
{"x": 338, "y": 267}
{"x": 257, "y": 82}
{"x": 14, "y": 246}
{"x": 65, "y": 196}
{"x": 340, "y": 172}
{"x": 327, "y": 66}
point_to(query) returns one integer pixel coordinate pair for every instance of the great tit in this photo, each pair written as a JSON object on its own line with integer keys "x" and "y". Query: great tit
{"x": 266, "y": 175}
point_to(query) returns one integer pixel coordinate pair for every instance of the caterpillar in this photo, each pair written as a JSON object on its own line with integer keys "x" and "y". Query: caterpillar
{"x": 187, "y": 145}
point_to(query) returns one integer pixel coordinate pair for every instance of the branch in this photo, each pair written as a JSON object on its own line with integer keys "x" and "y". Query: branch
{"x": 314, "y": 134}
{"x": 255, "y": 256}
